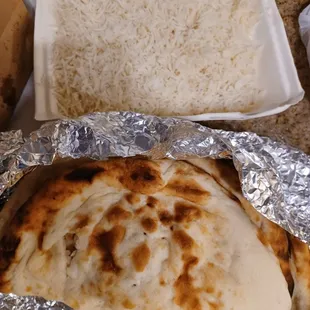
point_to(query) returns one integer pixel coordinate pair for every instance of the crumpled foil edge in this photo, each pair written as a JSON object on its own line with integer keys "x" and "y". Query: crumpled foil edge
{"x": 14, "y": 302}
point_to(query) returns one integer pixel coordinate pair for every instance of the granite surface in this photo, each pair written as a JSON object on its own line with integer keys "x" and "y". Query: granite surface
{"x": 293, "y": 125}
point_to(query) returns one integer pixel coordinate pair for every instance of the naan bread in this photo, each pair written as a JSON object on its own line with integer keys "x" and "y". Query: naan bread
{"x": 141, "y": 234}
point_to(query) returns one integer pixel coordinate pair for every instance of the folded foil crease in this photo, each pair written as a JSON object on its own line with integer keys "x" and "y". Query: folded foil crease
{"x": 275, "y": 178}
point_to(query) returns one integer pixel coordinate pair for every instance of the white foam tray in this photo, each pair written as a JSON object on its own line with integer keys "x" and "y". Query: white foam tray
{"x": 277, "y": 72}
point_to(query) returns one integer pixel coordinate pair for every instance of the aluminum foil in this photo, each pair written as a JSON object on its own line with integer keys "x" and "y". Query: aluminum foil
{"x": 275, "y": 178}
{"x": 13, "y": 302}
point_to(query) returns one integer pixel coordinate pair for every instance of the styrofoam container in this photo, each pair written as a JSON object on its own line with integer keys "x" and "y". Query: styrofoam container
{"x": 277, "y": 72}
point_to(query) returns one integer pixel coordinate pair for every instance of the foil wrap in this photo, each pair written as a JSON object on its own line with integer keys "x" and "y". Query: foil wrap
{"x": 275, "y": 178}
{"x": 13, "y": 302}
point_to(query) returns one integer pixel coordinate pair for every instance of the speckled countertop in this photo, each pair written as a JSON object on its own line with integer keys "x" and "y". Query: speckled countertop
{"x": 293, "y": 125}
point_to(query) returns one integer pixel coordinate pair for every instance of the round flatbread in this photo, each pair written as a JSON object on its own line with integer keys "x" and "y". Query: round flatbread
{"x": 142, "y": 234}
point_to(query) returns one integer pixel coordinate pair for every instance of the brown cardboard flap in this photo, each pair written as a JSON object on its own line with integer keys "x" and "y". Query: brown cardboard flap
{"x": 6, "y": 10}
{"x": 16, "y": 55}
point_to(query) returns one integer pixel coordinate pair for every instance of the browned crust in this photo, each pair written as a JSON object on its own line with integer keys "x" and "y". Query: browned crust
{"x": 106, "y": 243}
{"x": 54, "y": 193}
{"x": 140, "y": 257}
{"x": 187, "y": 189}
{"x": 149, "y": 224}
{"x": 183, "y": 240}
{"x": 117, "y": 214}
{"x": 141, "y": 176}
{"x": 36, "y": 215}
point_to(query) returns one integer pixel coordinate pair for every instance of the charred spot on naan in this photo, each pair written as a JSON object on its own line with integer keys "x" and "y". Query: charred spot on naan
{"x": 183, "y": 240}
{"x": 40, "y": 210}
{"x": 165, "y": 217}
{"x": 186, "y": 295}
{"x": 140, "y": 257}
{"x": 149, "y": 224}
{"x": 140, "y": 211}
{"x": 187, "y": 189}
{"x": 224, "y": 174}
{"x": 183, "y": 213}
{"x": 80, "y": 221}
{"x": 22, "y": 215}
{"x": 227, "y": 172}
{"x": 186, "y": 213}
{"x": 56, "y": 192}
{"x": 84, "y": 174}
{"x": 152, "y": 202}
{"x": 117, "y": 214}
{"x": 132, "y": 198}
{"x": 39, "y": 219}
{"x": 127, "y": 304}
{"x": 142, "y": 176}
{"x": 45, "y": 223}
{"x": 106, "y": 242}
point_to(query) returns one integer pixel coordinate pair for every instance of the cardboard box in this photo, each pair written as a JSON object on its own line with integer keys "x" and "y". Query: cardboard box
{"x": 16, "y": 55}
